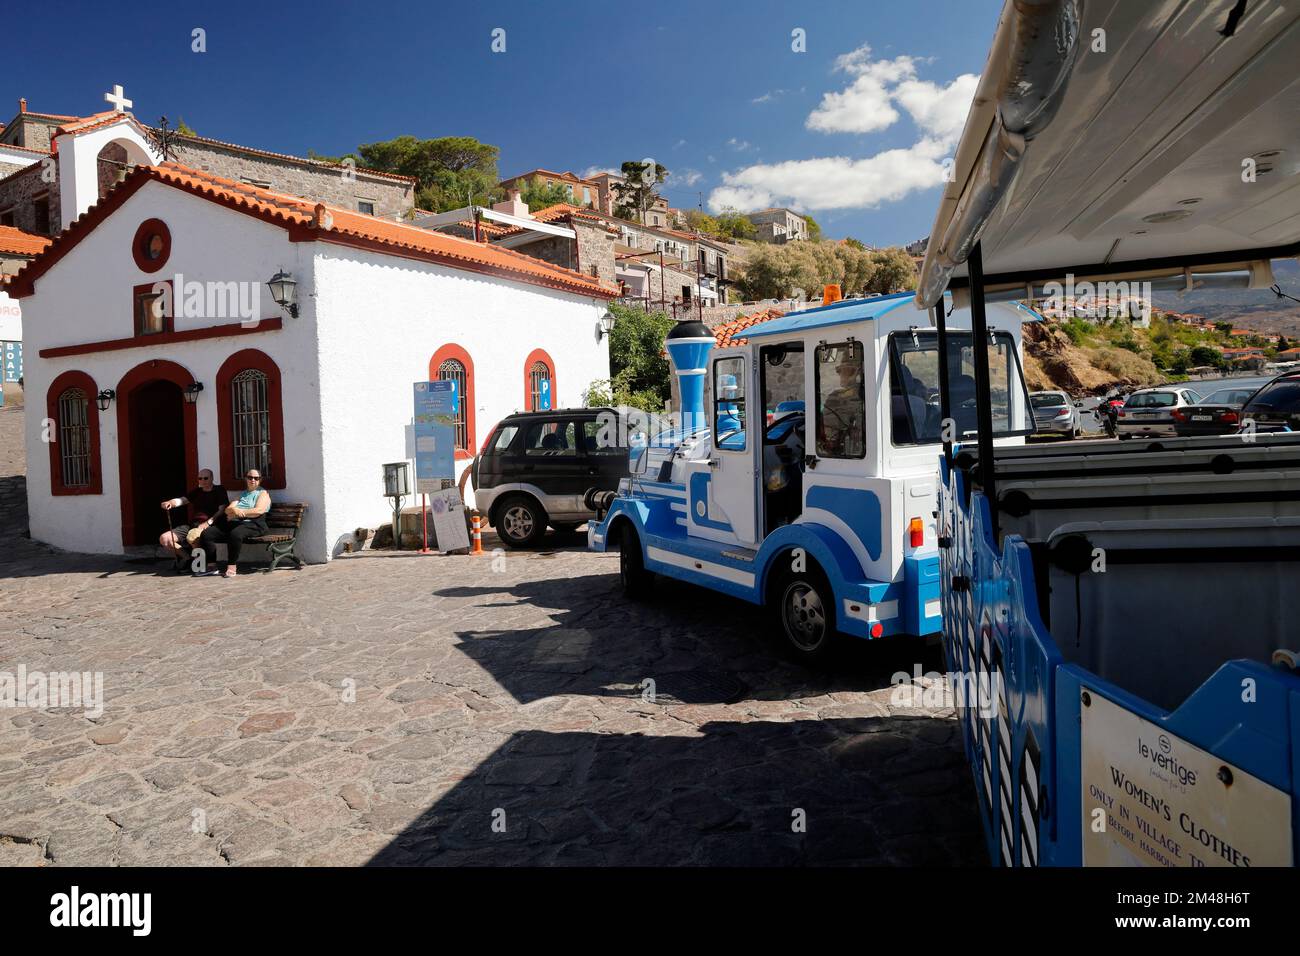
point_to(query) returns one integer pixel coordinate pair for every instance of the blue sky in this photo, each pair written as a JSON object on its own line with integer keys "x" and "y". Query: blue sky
{"x": 854, "y": 128}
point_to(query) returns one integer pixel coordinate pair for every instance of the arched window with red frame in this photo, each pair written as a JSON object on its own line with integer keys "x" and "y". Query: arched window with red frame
{"x": 250, "y": 419}
{"x": 70, "y": 405}
{"x": 539, "y": 381}
{"x": 453, "y": 362}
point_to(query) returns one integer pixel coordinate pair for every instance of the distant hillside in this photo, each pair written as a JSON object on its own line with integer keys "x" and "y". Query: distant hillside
{"x": 1256, "y": 309}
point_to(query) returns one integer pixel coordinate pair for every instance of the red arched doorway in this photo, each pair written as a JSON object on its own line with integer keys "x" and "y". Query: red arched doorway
{"x": 156, "y": 446}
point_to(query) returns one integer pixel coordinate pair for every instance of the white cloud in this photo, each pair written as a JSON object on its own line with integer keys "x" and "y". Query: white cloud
{"x": 834, "y": 182}
{"x": 597, "y": 170}
{"x": 939, "y": 110}
{"x": 679, "y": 144}
{"x": 866, "y": 105}
{"x": 739, "y": 145}
{"x": 769, "y": 96}
{"x": 685, "y": 177}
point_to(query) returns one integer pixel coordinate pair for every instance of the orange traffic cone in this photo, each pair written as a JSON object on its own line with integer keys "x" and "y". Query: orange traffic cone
{"x": 476, "y": 534}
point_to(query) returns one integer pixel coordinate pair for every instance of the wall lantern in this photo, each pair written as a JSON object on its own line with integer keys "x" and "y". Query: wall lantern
{"x": 104, "y": 398}
{"x": 284, "y": 292}
{"x": 606, "y": 325}
{"x": 192, "y": 392}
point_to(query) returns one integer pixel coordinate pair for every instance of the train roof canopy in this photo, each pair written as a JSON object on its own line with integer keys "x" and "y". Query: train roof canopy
{"x": 1113, "y": 138}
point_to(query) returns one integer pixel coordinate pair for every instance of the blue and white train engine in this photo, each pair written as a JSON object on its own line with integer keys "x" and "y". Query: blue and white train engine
{"x": 803, "y": 475}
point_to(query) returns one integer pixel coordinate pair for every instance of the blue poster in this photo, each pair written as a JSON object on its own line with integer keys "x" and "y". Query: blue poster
{"x": 436, "y": 402}
{"x": 436, "y": 405}
{"x": 13, "y": 359}
{"x": 544, "y": 402}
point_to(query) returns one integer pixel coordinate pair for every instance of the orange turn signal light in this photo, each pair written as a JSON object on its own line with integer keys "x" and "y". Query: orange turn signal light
{"x": 916, "y": 532}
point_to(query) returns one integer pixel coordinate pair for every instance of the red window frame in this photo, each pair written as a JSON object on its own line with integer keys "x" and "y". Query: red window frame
{"x": 169, "y": 317}
{"x": 535, "y": 356}
{"x": 142, "y": 234}
{"x": 276, "y": 476}
{"x": 65, "y": 381}
{"x": 453, "y": 351}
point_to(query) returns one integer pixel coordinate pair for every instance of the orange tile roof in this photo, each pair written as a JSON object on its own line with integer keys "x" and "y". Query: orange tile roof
{"x": 19, "y": 243}
{"x": 726, "y": 333}
{"x": 309, "y": 221}
{"x": 23, "y": 149}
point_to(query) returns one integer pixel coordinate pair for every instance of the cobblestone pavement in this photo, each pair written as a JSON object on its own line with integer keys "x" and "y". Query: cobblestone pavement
{"x": 498, "y": 719}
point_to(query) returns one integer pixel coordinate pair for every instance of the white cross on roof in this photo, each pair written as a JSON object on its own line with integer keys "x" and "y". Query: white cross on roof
{"x": 120, "y": 102}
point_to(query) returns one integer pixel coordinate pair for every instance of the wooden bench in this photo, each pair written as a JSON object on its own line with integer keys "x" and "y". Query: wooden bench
{"x": 283, "y": 521}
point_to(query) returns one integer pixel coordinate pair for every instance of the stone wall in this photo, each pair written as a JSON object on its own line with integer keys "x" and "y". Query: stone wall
{"x": 595, "y": 250}
{"x": 557, "y": 250}
{"x": 20, "y": 192}
{"x": 392, "y": 198}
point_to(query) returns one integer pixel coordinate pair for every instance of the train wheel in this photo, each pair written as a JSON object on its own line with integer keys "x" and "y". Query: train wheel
{"x": 805, "y": 614}
{"x": 632, "y": 574}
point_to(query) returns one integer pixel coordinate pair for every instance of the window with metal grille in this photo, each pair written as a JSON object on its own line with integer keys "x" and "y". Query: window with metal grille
{"x": 538, "y": 374}
{"x": 454, "y": 371}
{"x": 74, "y": 438}
{"x": 251, "y": 420}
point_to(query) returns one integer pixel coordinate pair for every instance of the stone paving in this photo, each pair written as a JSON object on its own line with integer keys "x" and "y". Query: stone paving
{"x": 392, "y": 708}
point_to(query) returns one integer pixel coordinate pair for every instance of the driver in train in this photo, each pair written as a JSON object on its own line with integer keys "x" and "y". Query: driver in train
{"x": 843, "y": 432}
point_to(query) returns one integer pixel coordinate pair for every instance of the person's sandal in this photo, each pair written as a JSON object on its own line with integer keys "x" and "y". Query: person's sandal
{"x": 230, "y": 572}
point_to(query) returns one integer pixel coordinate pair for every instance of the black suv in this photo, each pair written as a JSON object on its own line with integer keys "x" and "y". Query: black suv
{"x": 536, "y": 468}
{"x": 1276, "y": 406}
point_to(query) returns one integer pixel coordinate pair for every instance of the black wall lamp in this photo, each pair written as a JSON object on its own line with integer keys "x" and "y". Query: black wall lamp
{"x": 105, "y": 398}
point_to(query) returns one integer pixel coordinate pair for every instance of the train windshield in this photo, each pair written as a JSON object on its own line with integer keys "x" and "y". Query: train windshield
{"x": 914, "y": 387}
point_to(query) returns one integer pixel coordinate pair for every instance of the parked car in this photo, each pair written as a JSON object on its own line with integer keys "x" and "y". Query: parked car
{"x": 536, "y": 468}
{"x": 1149, "y": 411}
{"x": 1276, "y": 406}
{"x": 1219, "y": 413}
{"x": 1055, "y": 412}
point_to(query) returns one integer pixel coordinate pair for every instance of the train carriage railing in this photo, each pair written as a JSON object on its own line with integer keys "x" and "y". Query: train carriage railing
{"x": 1021, "y": 702}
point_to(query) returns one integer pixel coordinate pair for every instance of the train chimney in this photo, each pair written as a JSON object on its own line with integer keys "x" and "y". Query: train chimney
{"x": 688, "y": 345}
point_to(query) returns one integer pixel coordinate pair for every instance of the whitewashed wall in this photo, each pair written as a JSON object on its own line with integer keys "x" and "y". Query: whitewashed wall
{"x": 87, "y": 296}
{"x": 367, "y": 327}
{"x": 382, "y": 319}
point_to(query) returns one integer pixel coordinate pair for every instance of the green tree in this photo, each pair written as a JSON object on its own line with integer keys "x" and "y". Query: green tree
{"x": 855, "y": 243}
{"x": 814, "y": 230}
{"x": 697, "y": 220}
{"x": 184, "y": 129}
{"x": 1206, "y": 355}
{"x": 539, "y": 194}
{"x": 894, "y": 271}
{"x": 450, "y": 170}
{"x": 637, "y": 363}
{"x": 1223, "y": 327}
{"x": 734, "y": 225}
{"x": 637, "y": 192}
{"x": 1282, "y": 343}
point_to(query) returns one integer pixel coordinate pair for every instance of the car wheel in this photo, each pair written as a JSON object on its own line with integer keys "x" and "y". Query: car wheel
{"x": 632, "y": 574}
{"x": 521, "y": 522}
{"x": 805, "y": 615}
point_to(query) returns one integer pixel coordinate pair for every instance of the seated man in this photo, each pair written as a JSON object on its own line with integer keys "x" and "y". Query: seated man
{"x": 243, "y": 518}
{"x": 206, "y": 502}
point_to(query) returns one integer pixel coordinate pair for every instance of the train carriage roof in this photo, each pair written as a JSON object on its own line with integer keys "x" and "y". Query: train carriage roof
{"x": 1109, "y": 138}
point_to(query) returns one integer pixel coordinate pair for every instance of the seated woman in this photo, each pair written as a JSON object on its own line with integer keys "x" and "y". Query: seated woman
{"x": 242, "y": 519}
{"x": 206, "y": 502}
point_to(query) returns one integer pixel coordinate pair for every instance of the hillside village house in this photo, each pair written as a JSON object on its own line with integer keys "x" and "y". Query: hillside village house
{"x": 778, "y": 225}
{"x": 317, "y": 395}
{"x": 661, "y": 267}
{"x": 582, "y": 192}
